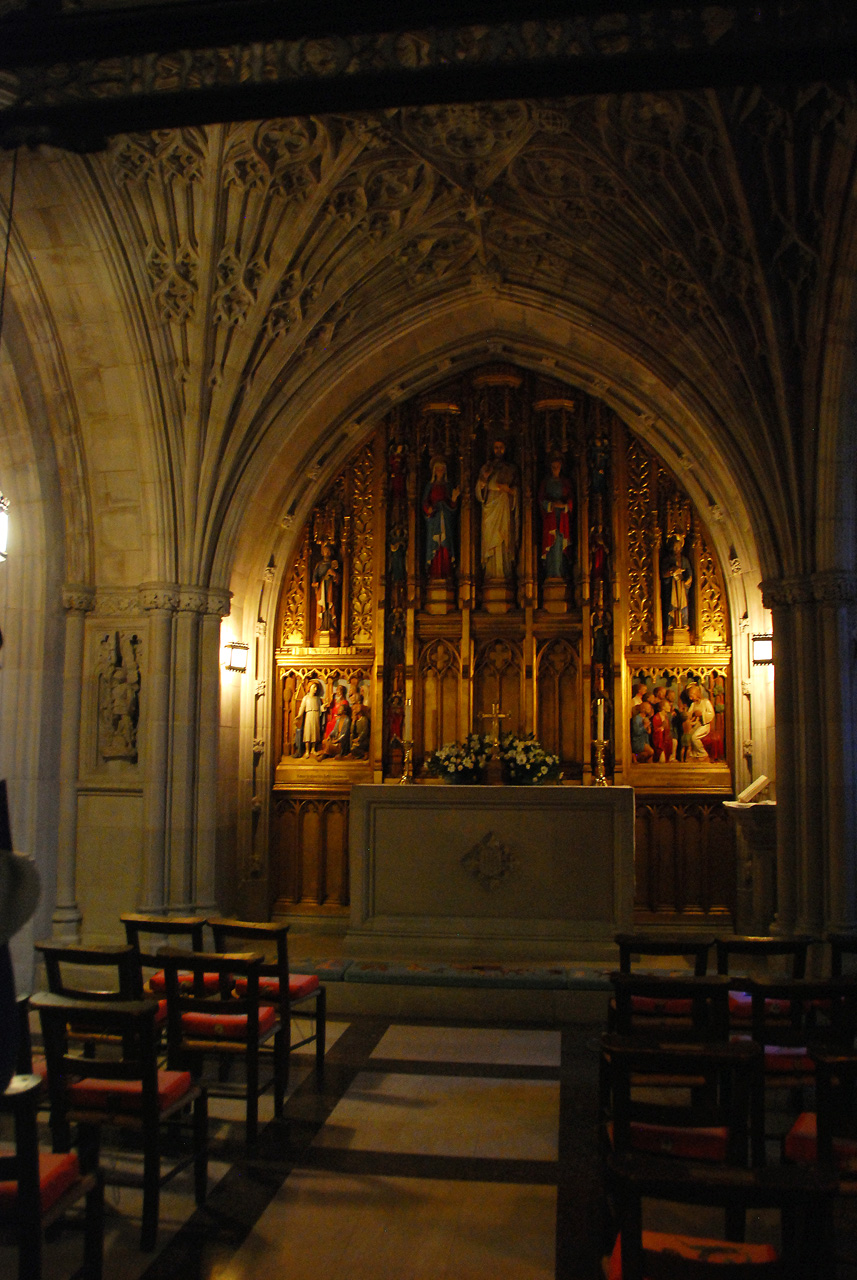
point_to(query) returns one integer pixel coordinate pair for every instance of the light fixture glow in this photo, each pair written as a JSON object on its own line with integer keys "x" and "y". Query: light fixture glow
{"x": 763, "y": 650}
{"x": 237, "y": 656}
{"x": 4, "y": 525}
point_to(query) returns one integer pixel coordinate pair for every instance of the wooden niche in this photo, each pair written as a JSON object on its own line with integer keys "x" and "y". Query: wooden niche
{"x": 497, "y": 544}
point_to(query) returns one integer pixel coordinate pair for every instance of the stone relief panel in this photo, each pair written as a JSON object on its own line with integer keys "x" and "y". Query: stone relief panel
{"x": 118, "y": 695}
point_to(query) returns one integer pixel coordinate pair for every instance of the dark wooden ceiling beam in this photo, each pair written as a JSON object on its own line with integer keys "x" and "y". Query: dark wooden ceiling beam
{"x": 190, "y": 65}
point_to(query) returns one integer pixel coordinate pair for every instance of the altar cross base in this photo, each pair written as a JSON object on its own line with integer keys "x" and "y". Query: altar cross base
{"x": 494, "y": 767}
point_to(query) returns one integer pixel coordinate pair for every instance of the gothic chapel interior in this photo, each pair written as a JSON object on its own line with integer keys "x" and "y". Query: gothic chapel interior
{"x": 256, "y": 373}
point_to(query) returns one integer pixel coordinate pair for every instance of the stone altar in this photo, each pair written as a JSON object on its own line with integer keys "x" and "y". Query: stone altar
{"x": 493, "y": 872}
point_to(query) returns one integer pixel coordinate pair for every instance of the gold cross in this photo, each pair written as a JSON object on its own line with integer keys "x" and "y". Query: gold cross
{"x": 495, "y": 715}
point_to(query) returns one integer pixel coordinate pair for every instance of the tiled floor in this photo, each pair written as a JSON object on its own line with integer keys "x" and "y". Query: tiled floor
{"x": 432, "y": 1152}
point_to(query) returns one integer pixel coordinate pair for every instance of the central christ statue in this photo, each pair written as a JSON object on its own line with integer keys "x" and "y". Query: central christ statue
{"x": 497, "y": 489}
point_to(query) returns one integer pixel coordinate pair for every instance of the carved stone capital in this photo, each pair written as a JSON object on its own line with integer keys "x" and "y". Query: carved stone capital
{"x": 192, "y": 600}
{"x": 787, "y": 592}
{"x": 113, "y": 600}
{"x": 835, "y": 587}
{"x": 155, "y": 596}
{"x": 77, "y": 598}
{"x": 219, "y": 602}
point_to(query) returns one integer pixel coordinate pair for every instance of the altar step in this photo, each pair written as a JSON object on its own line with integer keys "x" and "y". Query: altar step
{"x": 485, "y": 992}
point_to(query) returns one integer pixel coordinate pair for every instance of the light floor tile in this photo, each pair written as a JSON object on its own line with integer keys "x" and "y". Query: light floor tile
{"x": 400, "y": 1229}
{"x": 446, "y": 1115}
{"x": 471, "y": 1044}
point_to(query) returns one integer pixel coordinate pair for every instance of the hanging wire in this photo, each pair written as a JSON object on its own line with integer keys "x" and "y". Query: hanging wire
{"x": 4, "y": 501}
{"x": 8, "y": 237}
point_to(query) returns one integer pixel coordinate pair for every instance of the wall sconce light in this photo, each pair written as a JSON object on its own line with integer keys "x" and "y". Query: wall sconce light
{"x": 237, "y": 656}
{"x": 4, "y": 525}
{"x": 763, "y": 650}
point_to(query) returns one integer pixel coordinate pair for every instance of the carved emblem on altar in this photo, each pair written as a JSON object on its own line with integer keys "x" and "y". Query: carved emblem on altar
{"x": 489, "y": 861}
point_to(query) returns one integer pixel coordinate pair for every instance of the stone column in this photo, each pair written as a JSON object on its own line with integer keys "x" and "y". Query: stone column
{"x": 814, "y": 699}
{"x": 160, "y": 601}
{"x": 836, "y": 719}
{"x": 192, "y": 604}
{"x": 207, "y": 758}
{"x": 77, "y": 601}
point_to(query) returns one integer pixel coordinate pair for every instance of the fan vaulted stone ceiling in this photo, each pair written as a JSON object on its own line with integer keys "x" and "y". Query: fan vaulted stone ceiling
{"x": 263, "y": 257}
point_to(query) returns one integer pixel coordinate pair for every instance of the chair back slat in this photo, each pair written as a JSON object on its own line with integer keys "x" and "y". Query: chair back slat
{"x": 821, "y": 1011}
{"x": 841, "y": 945}
{"x": 64, "y": 961}
{"x": 225, "y": 931}
{"x": 750, "y": 947}
{"x": 190, "y": 930}
{"x": 664, "y": 944}
{"x": 708, "y": 997}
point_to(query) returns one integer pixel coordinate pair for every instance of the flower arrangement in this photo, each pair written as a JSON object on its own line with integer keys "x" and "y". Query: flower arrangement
{"x": 461, "y": 762}
{"x": 526, "y": 763}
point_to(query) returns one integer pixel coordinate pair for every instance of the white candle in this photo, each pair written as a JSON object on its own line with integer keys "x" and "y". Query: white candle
{"x": 600, "y": 719}
{"x": 408, "y": 723}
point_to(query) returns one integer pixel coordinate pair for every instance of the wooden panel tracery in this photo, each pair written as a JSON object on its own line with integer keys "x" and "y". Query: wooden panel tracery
{"x": 405, "y": 599}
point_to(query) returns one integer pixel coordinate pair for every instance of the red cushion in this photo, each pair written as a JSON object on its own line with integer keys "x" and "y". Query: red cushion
{"x": 56, "y": 1174}
{"x": 650, "y": 1004}
{"x": 127, "y": 1095}
{"x": 227, "y": 1026}
{"x": 210, "y": 981}
{"x": 741, "y": 1006}
{"x": 161, "y": 1015}
{"x": 300, "y": 984}
{"x": 721, "y": 1251}
{"x": 787, "y": 1058}
{"x": 801, "y": 1144}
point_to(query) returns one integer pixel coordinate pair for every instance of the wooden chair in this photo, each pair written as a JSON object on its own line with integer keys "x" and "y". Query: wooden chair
{"x": 828, "y": 1135}
{"x": 793, "y": 1018}
{"x": 841, "y": 945}
{"x": 675, "y": 946}
{"x": 803, "y": 1198}
{"x": 225, "y": 1025}
{"x": 37, "y": 1189}
{"x": 63, "y": 958}
{"x": 294, "y": 994}
{"x": 122, "y": 1089}
{"x": 757, "y": 950}
{"x": 695, "y": 1102}
{"x": 182, "y": 931}
{"x": 679, "y": 946}
{"x": 670, "y": 1008}
{"x": 65, "y": 965}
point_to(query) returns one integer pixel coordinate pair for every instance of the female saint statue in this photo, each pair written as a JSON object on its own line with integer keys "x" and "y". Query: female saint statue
{"x": 440, "y": 507}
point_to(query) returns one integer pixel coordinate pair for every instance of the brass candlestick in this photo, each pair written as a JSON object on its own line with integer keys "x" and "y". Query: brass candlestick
{"x": 600, "y": 778}
{"x": 407, "y": 765}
